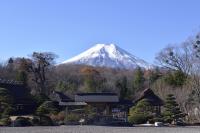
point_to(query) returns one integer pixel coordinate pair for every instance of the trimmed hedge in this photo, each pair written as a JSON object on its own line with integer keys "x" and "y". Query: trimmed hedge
{"x": 46, "y": 121}
{"x": 5, "y": 122}
{"x": 22, "y": 122}
{"x": 138, "y": 118}
{"x": 72, "y": 119}
{"x": 42, "y": 121}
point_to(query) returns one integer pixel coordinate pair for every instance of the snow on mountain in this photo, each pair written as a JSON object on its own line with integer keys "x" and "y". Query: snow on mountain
{"x": 108, "y": 55}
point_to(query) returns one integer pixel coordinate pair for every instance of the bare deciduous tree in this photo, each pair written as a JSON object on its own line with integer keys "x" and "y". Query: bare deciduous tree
{"x": 38, "y": 66}
{"x": 177, "y": 57}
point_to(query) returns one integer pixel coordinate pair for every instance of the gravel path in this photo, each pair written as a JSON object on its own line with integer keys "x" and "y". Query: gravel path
{"x": 99, "y": 129}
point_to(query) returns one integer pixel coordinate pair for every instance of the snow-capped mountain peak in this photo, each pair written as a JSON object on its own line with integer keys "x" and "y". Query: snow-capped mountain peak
{"x": 108, "y": 55}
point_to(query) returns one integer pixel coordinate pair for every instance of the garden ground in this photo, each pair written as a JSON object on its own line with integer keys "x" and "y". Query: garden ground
{"x": 99, "y": 129}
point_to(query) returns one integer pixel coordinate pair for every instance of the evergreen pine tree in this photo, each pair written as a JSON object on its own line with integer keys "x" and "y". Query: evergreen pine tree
{"x": 177, "y": 78}
{"x": 138, "y": 81}
{"x": 154, "y": 75}
{"x": 172, "y": 112}
{"x": 6, "y": 102}
{"x": 61, "y": 86}
{"x": 122, "y": 86}
{"x": 141, "y": 112}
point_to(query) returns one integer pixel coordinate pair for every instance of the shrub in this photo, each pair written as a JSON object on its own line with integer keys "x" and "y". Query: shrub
{"x": 40, "y": 98}
{"x": 6, "y": 101}
{"x": 22, "y": 122}
{"x": 72, "y": 119}
{"x": 91, "y": 118}
{"x": 42, "y": 121}
{"x": 5, "y": 110}
{"x": 46, "y": 121}
{"x": 59, "y": 118}
{"x": 35, "y": 121}
{"x": 48, "y": 107}
{"x": 5, "y": 96}
{"x": 5, "y": 122}
{"x": 140, "y": 113}
{"x": 136, "y": 118}
{"x": 156, "y": 119}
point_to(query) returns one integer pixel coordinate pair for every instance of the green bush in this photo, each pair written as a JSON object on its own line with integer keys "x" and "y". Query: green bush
{"x": 5, "y": 122}
{"x": 6, "y": 101}
{"x": 46, "y": 121}
{"x": 48, "y": 107}
{"x": 91, "y": 118}
{"x": 140, "y": 113}
{"x": 40, "y": 98}
{"x": 137, "y": 118}
{"x": 72, "y": 119}
{"x": 6, "y": 111}
{"x": 22, "y": 122}
{"x": 42, "y": 121}
{"x": 58, "y": 118}
{"x": 91, "y": 114}
{"x": 5, "y": 96}
{"x": 35, "y": 121}
{"x": 156, "y": 119}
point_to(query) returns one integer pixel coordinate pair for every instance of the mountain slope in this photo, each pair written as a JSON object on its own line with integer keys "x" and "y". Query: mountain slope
{"x": 108, "y": 55}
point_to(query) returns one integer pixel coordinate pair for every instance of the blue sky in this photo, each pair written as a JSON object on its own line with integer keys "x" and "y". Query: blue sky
{"x": 68, "y": 27}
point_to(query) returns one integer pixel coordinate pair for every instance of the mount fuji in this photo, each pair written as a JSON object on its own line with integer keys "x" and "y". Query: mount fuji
{"x": 108, "y": 55}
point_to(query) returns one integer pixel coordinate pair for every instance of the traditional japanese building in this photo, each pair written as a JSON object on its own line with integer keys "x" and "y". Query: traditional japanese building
{"x": 152, "y": 98}
{"x": 105, "y": 104}
{"x": 22, "y": 100}
{"x": 102, "y": 102}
